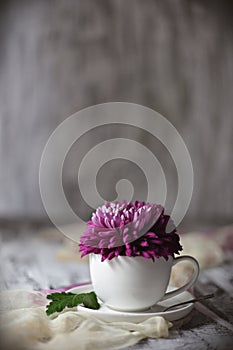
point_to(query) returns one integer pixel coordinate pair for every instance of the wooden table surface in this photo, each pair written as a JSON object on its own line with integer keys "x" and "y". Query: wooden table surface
{"x": 29, "y": 262}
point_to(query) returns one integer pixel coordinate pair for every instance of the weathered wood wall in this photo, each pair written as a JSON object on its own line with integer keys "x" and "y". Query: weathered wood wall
{"x": 57, "y": 57}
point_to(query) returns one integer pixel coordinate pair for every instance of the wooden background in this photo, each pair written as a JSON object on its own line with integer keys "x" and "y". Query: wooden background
{"x": 175, "y": 56}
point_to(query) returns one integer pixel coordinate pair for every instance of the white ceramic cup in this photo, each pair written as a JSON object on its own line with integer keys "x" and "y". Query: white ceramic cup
{"x": 135, "y": 283}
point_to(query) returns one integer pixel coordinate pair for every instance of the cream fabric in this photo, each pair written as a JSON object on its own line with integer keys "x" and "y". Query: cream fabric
{"x": 25, "y": 326}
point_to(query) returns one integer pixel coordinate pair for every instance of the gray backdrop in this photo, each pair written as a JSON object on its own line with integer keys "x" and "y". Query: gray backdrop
{"x": 175, "y": 56}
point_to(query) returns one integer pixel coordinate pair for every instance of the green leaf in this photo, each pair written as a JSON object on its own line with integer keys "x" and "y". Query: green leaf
{"x": 61, "y": 300}
{"x": 90, "y": 301}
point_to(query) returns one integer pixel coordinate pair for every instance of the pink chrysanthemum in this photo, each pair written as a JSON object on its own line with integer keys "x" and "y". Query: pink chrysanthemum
{"x": 130, "y": 229}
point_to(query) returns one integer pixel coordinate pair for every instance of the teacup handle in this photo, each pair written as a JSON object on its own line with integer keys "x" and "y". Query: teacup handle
{"x": 188, "y": 284}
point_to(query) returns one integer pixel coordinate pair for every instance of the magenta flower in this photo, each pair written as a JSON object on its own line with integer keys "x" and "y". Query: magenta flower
{"x": 130, "y": 229}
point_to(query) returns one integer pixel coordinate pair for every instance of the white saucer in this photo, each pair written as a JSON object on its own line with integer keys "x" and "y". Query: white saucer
{"x": 108, "y": 315}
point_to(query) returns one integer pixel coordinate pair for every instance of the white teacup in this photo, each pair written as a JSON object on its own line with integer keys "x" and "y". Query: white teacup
{"x": 135, "y": 283}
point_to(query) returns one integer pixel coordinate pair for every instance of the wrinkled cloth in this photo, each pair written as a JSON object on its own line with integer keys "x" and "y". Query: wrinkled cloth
{"x": 25, "y": 326}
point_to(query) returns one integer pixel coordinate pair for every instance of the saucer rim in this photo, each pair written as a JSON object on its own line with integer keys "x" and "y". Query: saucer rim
{"x": 185, "y": 308}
